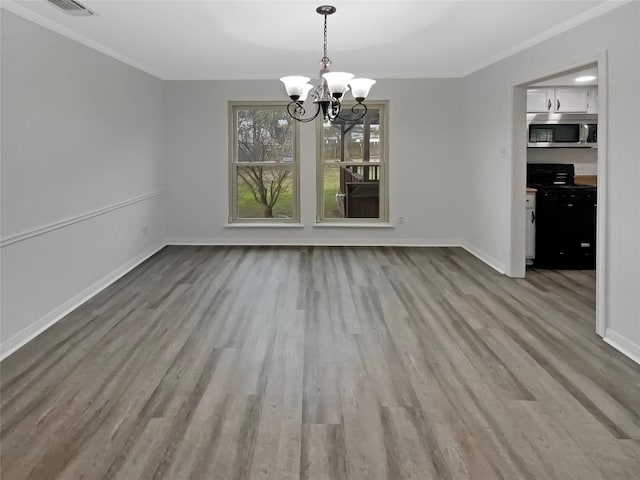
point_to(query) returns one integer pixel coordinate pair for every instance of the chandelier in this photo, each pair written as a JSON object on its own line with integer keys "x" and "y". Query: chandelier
{"x": 329, "y": 93}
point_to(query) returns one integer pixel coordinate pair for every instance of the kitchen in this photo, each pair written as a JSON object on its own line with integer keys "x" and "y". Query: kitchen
{"x": 561, "y": 198}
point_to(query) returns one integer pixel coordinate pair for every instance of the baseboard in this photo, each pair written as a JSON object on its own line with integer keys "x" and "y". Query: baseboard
{"x": 277, "y": 242}
{"x": 30, "y": 332}
{"x": 623, "y": 345}
{"x": 438, "y": 242}
{"x": 484, "y": 257}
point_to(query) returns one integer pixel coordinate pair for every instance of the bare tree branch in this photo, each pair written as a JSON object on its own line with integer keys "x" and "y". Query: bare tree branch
{"x": 263, "y": 136}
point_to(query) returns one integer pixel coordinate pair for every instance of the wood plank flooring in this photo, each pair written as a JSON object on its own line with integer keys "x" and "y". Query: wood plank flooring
{"x": 323, "y": 363}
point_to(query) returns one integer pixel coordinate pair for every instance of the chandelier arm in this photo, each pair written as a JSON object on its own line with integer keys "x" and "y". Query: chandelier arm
{"x": 333, "y": 110}
{"x": 297, "y": 112}
{"x": 359, "y": 109}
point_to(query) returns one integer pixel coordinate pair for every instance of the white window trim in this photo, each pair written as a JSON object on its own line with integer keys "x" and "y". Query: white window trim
{"x": 383, "y": 221}
{"x": 264, "y": 225}
{"x": 234, "y": 219}
{"x": 379, "y": 224}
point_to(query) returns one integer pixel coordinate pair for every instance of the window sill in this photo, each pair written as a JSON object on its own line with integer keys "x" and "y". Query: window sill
{"x": 264, "y": 225}
{"x": 353, "y": 225}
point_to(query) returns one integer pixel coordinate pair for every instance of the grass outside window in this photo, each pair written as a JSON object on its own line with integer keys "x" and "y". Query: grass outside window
{"x": 263, "y": 164}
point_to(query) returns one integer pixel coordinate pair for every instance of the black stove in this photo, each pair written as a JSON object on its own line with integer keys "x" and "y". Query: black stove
{"x": 565, "y": 218}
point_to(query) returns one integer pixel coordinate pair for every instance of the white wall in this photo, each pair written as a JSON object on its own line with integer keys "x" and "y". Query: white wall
{"x": 488, "y": 96}
{"x": 82, "y": 170}
{"x": 424, "y": 163}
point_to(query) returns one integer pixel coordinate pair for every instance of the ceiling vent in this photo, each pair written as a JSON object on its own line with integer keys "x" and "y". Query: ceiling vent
{"x": 71, "y": 7}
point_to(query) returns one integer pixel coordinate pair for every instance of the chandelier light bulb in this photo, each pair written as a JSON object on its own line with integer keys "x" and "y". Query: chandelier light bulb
{"x": 337, "y": 82}
{"x": 306, "y": 88}
{"x": 295, "y": 85}
{"x": 360, "y": 88}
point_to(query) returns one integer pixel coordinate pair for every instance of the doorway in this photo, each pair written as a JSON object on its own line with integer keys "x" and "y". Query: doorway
{"x": 588, "y": 159}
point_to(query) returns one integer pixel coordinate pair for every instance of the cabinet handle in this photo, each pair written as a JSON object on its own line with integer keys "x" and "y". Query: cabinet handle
{"x": 533, "y": 217}
{"x": 557, "y": 104}
{"x": 549, "y": 105}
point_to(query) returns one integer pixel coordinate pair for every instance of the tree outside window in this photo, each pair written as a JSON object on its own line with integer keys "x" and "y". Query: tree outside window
{"x": 263, "y": 164}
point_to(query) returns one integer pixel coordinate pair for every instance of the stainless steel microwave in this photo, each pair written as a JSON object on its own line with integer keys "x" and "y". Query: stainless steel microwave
{"x": 562, "y": 131}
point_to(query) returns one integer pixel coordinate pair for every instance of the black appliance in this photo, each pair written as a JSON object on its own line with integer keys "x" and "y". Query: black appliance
{"x": 565, "y": 218}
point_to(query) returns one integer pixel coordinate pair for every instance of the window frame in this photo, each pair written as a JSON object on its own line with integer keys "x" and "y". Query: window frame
{"x": 233, "y": 165}
{"x": 383, "y": 219}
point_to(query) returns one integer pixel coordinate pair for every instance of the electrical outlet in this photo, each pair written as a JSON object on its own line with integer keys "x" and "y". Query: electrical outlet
{"x": 400, "y": 220}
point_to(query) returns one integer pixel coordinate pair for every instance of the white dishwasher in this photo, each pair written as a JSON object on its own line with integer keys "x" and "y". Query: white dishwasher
{"x": 530, "y": 231}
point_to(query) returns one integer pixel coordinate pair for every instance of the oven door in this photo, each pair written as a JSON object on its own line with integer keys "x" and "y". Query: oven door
{"x": 556, "y": 135}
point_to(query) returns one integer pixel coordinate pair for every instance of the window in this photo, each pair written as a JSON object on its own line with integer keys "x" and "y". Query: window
{"x": 352, "y": 168}
{"x": 263, "y": 164}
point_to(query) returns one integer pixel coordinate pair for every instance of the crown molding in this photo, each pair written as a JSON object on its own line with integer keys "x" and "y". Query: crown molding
{"x": 17, "y": 9}
{"x": 565, "y": 26}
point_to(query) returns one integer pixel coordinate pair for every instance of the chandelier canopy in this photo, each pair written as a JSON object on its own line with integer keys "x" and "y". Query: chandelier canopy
{"x": 329, "y": 93}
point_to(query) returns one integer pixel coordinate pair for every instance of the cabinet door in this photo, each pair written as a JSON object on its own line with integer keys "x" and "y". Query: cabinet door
{"x": 592, "y": 100}
{"x": 539, "y": 100}
{"x": 571, "y": 100}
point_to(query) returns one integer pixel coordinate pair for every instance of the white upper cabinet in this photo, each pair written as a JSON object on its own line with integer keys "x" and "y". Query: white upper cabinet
{"x": 562, "y": 100}
{"x": 571, "y": 100}
{"x": 540, "y": 100}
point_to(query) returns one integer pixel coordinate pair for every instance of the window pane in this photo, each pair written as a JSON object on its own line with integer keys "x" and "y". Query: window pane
{"x": 361, "y": 140}
{"x": 351, "y": 191}
{"x": 332, "y": 197}
{"x": 263, "y": 164}
{"x": 264, "y": 134}
{"x": 351, "y": 160}
{"x": 265, "y": 192}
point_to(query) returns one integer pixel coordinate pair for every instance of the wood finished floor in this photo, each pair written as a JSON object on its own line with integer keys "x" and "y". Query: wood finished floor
{"x": 324, "y": 363}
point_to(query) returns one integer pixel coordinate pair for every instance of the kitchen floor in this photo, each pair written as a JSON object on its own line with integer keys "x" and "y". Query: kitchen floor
{"x": 324, "y": 363}
{"x": 579, "y": 284}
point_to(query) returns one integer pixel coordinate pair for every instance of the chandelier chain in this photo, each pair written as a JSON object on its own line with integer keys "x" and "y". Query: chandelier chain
{"x": 325, "y": 58}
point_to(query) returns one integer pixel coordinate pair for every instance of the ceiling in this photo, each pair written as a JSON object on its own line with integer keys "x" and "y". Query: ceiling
{"x": 569, "y": 79}
{"x": 198, "y": 40}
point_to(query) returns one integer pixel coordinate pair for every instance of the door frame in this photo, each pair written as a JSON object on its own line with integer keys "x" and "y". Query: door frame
{"x": 517, "y": 263}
